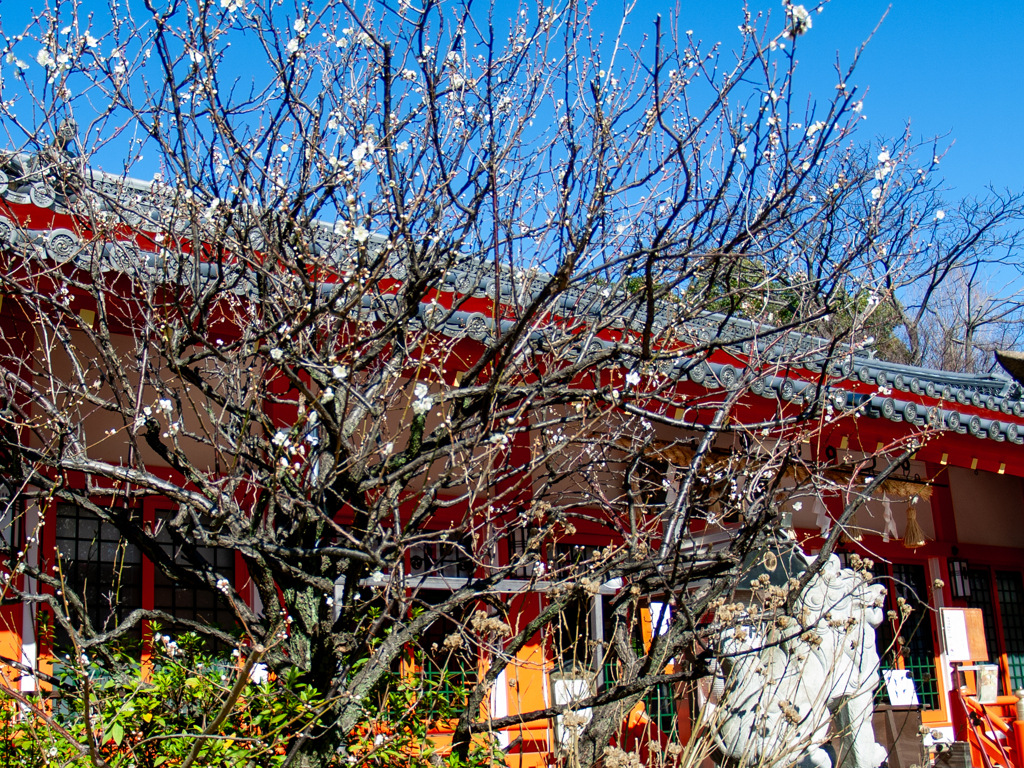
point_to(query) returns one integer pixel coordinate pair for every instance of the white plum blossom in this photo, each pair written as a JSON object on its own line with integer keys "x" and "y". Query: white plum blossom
{"x": 299, "y": 25}
{"x": 276, "y": 355}
{"x": 360, "y": 234}
{"x": 940, "y": 215}
{"x": 293, "y": 46}
{"x": 259, "y": 674}
{"x": 327, "y": 396}
{"x": 224, "y": 585}
{"x": 632, "y": 378}
{"x": 813, "y": 128}
{"x": 361, "y": 156}
{"x": 90, "y": 41}
{"x": 232, "y": 5}
{"x": 741, "y": 150}
{"x": 340, "y": 372}
{"x": 423, "y": 402}
{"x": 280, "y": 438}
{"x": 876, "y": 193}
{"x": 44, "y": 58}
{"x": 799, "y": 21}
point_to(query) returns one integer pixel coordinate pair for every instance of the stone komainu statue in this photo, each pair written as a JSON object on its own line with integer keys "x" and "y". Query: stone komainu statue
{"x": 786, "y": 689}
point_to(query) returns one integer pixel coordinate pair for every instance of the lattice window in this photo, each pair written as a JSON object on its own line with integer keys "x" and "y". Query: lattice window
{"x": 1011, "y": 605}
{"x": 910, "y": 582}
{"x": 660, "y": 701}
{"x": 661, "y": 708}
{"x": 446, "y": 657}
{"x": 447, "y": 559}
{"x": 184, "y": 601}
{"x": 572, "y": 638}
{"x": 100, "y": 566}
{"x": 518, "y": 538}
{"x": 914, "y": 648}
{"x": 11, "y": 517}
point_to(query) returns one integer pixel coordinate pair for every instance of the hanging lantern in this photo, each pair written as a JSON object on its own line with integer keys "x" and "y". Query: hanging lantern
{"x": 913, "y": 536}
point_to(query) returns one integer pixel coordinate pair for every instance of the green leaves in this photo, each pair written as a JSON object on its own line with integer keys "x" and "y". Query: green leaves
{"x": 148, "y": 716}
{"x": 115, "y": 733}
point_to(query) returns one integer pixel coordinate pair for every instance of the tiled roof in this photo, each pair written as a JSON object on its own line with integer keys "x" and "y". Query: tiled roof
{"x": 986, "y": 406}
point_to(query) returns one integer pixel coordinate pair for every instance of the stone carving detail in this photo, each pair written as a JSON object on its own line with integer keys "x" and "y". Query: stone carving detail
{"x": 8, "y": 232}
{"x": 787, "y": 689}
{"x": 42, "y": 195}
{"x": 62, "y": 244}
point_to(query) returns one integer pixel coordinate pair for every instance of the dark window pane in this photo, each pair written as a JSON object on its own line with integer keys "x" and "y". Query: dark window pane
{"x": 87, "y": 527}
{"x": 108, "y": 552}
{"x": 186, "y": 602}
{"x": 108, "y": 576}
{"x": 981, "y": 597}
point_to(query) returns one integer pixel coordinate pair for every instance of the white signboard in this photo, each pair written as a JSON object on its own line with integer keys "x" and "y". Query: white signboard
{"x": 569, "y": 691}
{"x": 954, "y": 630}
{"x": 900, "y": 687}
{"x": 659, "y": 618}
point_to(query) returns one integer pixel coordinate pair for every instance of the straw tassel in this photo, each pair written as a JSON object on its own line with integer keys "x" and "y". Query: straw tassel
{"x": 913, "y": 537}
{"x": 852, "y": 533}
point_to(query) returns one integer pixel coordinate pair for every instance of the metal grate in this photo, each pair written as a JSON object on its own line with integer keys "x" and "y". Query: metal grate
{"x": 1011, "y": 604}
{"x": 451, "y": 678}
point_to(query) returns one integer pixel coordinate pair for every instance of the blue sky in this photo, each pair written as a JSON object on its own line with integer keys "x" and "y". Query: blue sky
{"x": 948, "y": 68}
